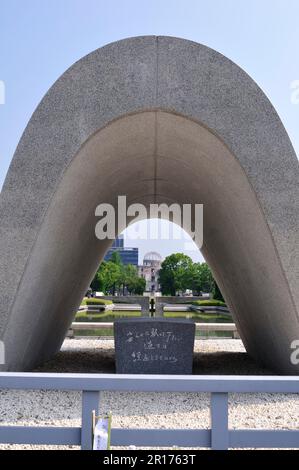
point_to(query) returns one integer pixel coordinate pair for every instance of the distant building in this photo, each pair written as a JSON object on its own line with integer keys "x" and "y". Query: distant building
{"x": 128, "y": 255}
{"x": 149, "y": 270}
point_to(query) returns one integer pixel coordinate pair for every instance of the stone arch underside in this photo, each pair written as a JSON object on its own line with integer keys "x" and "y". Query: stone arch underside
{"x": 157, "y": 119}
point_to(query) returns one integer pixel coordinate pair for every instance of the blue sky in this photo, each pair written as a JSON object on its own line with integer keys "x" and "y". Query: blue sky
{"x": 40, "y": 39}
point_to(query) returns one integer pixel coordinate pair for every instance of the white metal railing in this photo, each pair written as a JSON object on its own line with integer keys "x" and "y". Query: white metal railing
{"x": 219, "y": 436}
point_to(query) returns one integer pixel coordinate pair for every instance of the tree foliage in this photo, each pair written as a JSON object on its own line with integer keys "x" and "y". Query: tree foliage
{"x": 217, "y": 292}
{"x": 175, "y": 273}
{"x": 114, "y": 277}
{"x": 179, "y": 273}
{"x": 201, "y": 278}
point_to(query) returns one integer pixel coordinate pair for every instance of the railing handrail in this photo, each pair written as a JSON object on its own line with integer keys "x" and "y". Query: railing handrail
{"x": 146, "y": 383}
{"x": 218, "y": 436}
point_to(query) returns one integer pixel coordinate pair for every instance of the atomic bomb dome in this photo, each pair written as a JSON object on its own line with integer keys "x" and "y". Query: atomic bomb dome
{"x": 150, "y": 270}
{"x": 152, "y": 257}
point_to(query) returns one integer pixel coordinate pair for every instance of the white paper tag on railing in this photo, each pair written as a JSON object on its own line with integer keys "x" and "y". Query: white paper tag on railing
{"x": 101, "y": 434}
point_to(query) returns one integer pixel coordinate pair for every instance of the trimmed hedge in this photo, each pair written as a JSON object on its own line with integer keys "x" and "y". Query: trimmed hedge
{"x": 209, "y": 303}
{"x": 92, "y": 301}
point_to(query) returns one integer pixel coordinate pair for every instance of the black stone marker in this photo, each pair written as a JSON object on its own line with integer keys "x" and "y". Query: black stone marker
{"x": 154, "y": 345}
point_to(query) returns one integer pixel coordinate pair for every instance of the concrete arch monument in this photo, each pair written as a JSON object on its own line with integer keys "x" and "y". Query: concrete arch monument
{"x": 157, "y": 119}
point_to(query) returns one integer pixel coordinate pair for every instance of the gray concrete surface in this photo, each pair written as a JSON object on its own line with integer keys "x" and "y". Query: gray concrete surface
{"x": 161, "y": 120}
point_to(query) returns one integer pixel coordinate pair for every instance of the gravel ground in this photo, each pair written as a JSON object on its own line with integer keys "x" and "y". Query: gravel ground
{"x": 149, "y": 410}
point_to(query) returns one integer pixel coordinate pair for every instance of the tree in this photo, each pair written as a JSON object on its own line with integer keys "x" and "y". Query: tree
{"x": 138, "y": 285}
{"x": 112, "y": 276}
{"x": 217, "y": 293}
{"x": 202, "y": 278}
{"x": 129, "y": 277}
{"x": 196, "y": 278}
{"x": 178, "y": 273}
{"x": 203, "y": 281}
{"x": 98, "y": 283}
{"x": 116, "y": 258}
{"x": 175, "y": 273}
{"x": 107, "y": 278}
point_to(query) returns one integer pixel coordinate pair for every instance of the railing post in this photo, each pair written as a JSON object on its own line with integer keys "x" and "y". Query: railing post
{"x": 90, "y": 402}
{"x": 219, "y": 421}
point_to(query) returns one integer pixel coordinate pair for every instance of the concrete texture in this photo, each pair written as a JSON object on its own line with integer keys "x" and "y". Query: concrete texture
{"x": 160, "y": 120}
